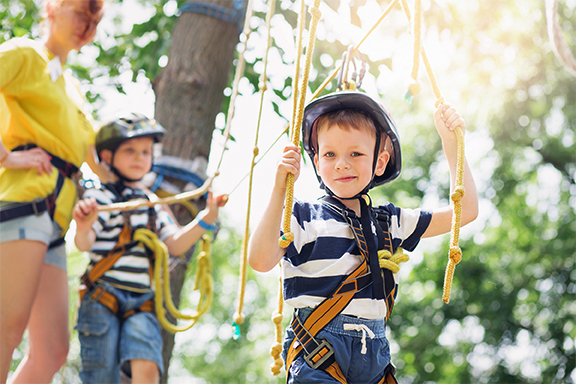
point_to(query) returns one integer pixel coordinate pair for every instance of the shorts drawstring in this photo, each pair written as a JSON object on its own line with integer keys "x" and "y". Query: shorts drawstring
{"x": 360, "y": 328}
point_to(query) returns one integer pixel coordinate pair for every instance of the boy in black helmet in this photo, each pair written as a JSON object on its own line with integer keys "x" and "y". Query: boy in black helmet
{"x": 332, "y": 273}
{"x": 117, "y": 327}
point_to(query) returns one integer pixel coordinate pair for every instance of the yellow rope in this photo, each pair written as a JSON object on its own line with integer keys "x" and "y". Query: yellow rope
{"x": 288, "y": 236}
{"x": 276, "y": 349}
{"x": 455, "y": 253}
{"x": 391, "y": 262}
{"x": 414, "y": 87}
{"x": 239, "y": 73}
{"x": 162, "y": 292}
{"x": 239, "y": 316}
{"x": 299, "y": 49}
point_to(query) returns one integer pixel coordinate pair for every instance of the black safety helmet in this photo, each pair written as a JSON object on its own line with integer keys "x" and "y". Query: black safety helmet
{"x": 361, "y": 102}
{"x": 114, "y": 132}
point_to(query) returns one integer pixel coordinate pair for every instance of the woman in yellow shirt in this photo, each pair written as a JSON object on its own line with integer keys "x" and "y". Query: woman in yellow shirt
{"x": 44, "y": 138}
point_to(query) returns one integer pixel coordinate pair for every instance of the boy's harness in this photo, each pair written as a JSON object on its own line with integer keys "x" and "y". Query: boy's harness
{"x": 48, "y": 203}
{"x": 89, "y": 279}
{"x": 319, "y": 354}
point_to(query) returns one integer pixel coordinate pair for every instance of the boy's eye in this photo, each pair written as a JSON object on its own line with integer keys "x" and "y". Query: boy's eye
{"x": 329, "y": 154}
{"x": 356, "y": 154}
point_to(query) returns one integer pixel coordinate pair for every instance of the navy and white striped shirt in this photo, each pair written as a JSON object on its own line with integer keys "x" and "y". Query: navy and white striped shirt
{"x": 131, "y": 270}
{"x": 324, "y": 252}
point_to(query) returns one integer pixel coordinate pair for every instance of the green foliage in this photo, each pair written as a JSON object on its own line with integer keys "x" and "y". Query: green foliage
{"x": 511, "y": 318}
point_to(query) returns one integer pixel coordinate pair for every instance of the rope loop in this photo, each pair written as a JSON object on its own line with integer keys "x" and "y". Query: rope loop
{"x": 391, "y": 262}
{"x": 458, "y": 193}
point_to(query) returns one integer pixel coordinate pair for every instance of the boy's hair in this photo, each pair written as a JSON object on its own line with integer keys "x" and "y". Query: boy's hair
{"x": 349, "y": 119}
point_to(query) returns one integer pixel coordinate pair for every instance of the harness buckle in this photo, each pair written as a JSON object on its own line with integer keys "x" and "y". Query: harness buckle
{"x": 319, "y": 355}
{"x": 35, "y": 203}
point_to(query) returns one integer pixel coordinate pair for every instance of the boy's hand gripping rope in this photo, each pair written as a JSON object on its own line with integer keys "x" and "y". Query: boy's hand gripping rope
{"x": 162, "y": 280}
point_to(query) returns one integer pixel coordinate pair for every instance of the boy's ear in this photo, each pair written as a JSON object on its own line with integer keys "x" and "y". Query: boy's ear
{"x": 316, "y": 161}
{"x": 106, "y": 156}
{"x": 381, "y": 163}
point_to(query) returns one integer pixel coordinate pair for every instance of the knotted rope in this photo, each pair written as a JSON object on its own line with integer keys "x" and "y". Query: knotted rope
{"x": 239, "y": 316}
{"x": 288, "y": 236}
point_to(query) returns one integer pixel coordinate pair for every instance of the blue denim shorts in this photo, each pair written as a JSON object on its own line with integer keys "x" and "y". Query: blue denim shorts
{"x": 107, "y": 343}
{"x": 358, "y": 367}
{"x": 40, "y": 228}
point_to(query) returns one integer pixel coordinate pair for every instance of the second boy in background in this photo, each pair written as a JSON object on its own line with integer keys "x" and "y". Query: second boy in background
{"x": 117, "y": 327}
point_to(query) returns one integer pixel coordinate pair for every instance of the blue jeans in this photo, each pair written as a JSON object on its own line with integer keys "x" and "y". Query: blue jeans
{"x": 108, "y": 343}
{"x": 358, "y": 367}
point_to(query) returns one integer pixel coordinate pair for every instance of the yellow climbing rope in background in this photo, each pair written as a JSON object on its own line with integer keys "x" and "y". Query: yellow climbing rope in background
{"x": 414, "y": 87}
{"x": 162, "y": 294}
{"x": 288, "y": 236}
{"x": 455, "y": 253}
{"x": 277, "y": 317}
{"x": 239, "y": 316}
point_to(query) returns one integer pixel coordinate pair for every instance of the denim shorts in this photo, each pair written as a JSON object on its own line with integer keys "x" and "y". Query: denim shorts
{"x": 39, "y": 228}
{"x": 108, "y": 343}
{"x": 358, "y": 367}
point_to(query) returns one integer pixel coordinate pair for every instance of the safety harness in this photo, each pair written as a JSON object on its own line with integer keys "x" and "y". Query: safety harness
{"x": 41, "y": 205}
{"x": 319, "y": 354}
{"x": 89, "y": 279}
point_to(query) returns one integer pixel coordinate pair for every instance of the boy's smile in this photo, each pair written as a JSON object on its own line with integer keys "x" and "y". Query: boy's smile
{"x": 345, "y": 158}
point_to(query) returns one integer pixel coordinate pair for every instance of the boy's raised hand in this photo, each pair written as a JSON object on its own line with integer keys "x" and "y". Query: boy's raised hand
{"x": 288, "y": 163}
{"x": 213, "y": 204}
{"x": 85, "y": 213}
{"x": 446, "y": 119}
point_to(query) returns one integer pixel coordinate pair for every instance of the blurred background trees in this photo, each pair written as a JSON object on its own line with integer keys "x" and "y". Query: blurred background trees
{"x": 511, "y": 318}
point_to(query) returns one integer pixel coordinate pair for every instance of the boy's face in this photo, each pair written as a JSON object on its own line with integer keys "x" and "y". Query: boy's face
{"x": 133, "y": 158}
{"x": 345, "y": 158}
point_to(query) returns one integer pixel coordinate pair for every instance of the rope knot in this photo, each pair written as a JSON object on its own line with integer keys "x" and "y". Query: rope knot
{"x": 458, "y": 193}
{"x": 286, "y": 239}
{"x": 277, "y": 318}
{"x": 275, "y": 352}
{"x": 315, "y": 12}
{"x": 439, "y": 100}
{"x": 361, "y": 328}
{"x": 414, "y": 88}
{"x": 255, "y": 151}
{"x": 262, "y": 86}
{"x": 455, "y": 254}
{"x": 238, "y": 318}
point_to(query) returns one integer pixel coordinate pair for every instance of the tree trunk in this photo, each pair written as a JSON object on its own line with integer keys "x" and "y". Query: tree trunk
{"x": 189, "y": 95}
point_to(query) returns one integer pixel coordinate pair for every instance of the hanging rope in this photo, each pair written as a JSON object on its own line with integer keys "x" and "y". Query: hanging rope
{"x": 162, "y": 294}
{"x": 288, "y": 236}
{"x": 455, "y": 253}
{"x": 414, "y": 87}
{"x": 239, "y": 316}
{"x": 276, "y": 349}
{"x": 561, "y": 49}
